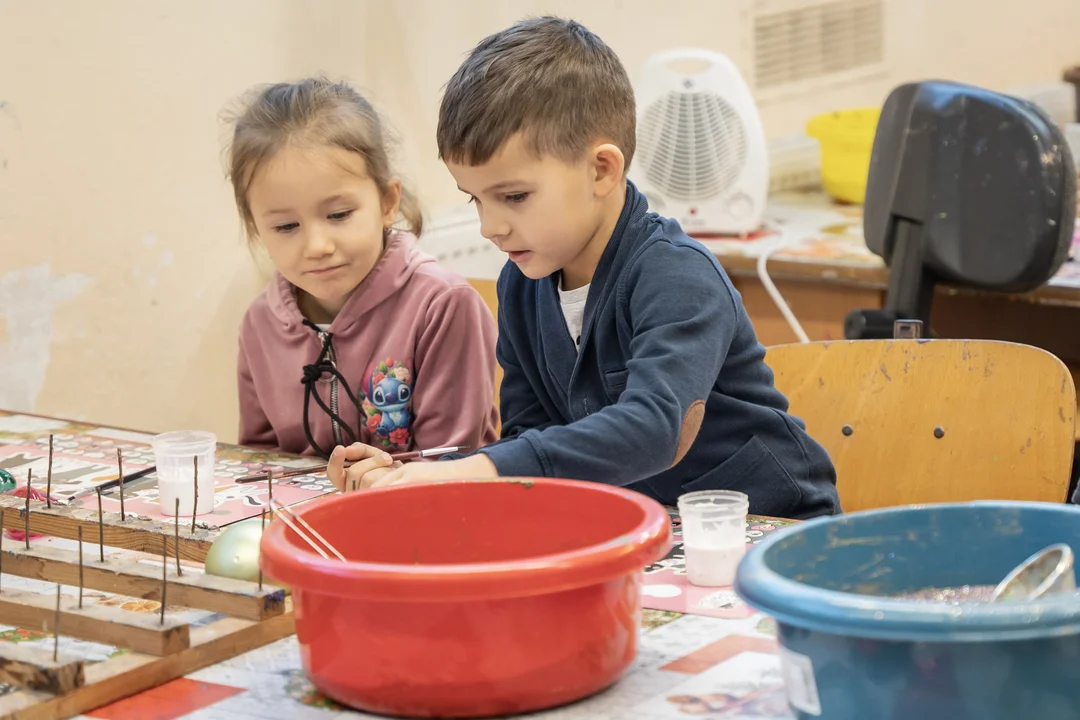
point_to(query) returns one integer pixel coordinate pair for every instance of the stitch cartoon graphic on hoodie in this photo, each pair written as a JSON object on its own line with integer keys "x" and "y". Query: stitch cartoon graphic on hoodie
{"x": 387, "y": 403}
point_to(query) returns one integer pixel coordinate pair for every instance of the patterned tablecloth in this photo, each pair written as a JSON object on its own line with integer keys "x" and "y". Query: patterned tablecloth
{"x": 688, "y": 666}
{"x": 84, "y": 456}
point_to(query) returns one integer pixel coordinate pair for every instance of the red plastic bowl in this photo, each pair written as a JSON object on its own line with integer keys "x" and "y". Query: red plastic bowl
{"x": 470, "y": 599}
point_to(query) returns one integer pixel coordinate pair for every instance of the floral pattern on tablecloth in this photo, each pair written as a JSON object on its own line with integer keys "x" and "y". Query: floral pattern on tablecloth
{"x": 84, "y": 456}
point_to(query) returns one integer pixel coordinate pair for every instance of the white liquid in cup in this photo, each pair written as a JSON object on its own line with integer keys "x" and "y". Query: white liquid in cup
{"x": 712, "y": 567}
{"x": 175, "y": 454}
{"x": 714, "y": 535}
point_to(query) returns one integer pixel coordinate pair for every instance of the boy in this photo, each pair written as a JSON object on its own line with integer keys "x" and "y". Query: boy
{"x": 628, "y": 356}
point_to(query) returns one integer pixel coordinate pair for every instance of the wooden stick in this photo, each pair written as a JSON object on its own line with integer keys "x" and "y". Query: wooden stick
{"x": 263, "y": 530}
{"x": 141, "y": 535}
{"x": 33, "y": 669}
{"x": 195, "y": 499}
{"x": 48, "y": 477}
{"x": 176, "y": 519}
{"x": 2, "y": 542}
{"x": 120, "y": 475}
{"x": 131, "y": 673}
{"x": 238, "y": 598}
{"x": 164, "y": 575}
{"x": 80, "y": 568}
{"x": 107, "y": 625}
{"x": 101, "y": 528}
{"x": 308, "y": 534}
{"x": 269, "y": 487}
{"x": 26, "y": 530}
{"x": 56, "y": 626}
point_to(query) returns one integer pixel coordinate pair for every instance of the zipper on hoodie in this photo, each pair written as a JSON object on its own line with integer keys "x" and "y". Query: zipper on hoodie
{"x": 332, "y": 359}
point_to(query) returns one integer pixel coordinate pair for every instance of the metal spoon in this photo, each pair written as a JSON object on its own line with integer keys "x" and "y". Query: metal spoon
{"x": 1048, "y": 571}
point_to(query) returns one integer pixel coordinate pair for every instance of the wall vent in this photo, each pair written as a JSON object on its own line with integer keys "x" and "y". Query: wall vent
{"x": 795, "y": 42}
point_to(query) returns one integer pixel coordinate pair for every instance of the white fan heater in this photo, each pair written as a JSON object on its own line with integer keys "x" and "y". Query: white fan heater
{"x": 701, "y": 156}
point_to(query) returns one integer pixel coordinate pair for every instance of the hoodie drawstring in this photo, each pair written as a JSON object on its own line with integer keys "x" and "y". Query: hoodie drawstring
{"x": 325, "y": 364}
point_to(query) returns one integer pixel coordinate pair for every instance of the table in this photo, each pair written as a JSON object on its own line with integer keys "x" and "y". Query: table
{"x": 686, "y": 665}
{"x": 723, "y": 664}
{"x": 824, "y": 270}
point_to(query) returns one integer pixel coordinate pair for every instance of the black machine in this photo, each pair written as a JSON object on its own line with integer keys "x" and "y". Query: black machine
{"x": 967, "y": 187}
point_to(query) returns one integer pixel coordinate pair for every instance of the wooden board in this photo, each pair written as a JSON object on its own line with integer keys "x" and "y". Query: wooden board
{"x": 131, "y": 534}
{"x": 111, "y": 626}
{"x": 132, "y": 673}
{"x": 196, "y": 590}
{"x": 34, "y": 669}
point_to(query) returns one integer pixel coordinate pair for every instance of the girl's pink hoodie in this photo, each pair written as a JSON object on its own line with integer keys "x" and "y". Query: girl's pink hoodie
{"x": 408, "y": 363}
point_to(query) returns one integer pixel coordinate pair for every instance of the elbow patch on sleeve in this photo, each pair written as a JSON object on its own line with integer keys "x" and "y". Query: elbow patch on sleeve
{"x": 688, "y": 432}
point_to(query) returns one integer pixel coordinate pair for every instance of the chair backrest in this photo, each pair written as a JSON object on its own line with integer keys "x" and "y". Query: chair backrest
{"x": 924, "y": 421}
{"x": 486, "y": 288}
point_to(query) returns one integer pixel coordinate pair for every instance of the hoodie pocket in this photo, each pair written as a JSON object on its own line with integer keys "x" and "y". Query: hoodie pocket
{"x": 755, "y": 471}
{"x": 615, "y": 383}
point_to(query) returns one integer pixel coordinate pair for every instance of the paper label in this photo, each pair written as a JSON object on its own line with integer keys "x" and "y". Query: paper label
{"x": 799, "y": 680}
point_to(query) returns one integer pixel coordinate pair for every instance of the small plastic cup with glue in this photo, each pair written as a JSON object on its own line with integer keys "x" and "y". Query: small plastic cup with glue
{"x": 175, "y": 454}
{"x": 714, "y": 535}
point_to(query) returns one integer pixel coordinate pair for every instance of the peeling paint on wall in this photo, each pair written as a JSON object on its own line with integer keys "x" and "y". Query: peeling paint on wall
{"x": 9, "y": 127}
{"x": 28, "y": 301}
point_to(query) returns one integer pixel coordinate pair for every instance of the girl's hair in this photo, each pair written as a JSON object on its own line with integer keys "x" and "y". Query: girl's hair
{"x": 317, "y": 111}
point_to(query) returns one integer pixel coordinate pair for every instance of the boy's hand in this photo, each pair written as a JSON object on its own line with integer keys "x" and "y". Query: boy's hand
{"x": 474, "y": 467}
{"x": 369, "y": 464}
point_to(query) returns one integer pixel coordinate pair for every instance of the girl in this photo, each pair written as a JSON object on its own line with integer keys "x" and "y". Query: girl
{"x": 359, "y": 337}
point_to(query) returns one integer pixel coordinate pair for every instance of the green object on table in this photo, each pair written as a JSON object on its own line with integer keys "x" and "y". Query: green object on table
{"x": 235, "y": 553}
{"x": 7, "y": 481}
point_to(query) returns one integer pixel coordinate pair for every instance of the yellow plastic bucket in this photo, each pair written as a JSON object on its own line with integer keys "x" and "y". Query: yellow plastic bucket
{"x": 846, "y": 138}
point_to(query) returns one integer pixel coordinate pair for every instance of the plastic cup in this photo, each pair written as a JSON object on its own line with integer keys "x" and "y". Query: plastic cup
{"x": 714, "y": 535}
{"x": 175, "y": 454}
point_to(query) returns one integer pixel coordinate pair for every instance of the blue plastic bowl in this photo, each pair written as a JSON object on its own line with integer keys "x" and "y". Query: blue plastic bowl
{"x": 852, "y": 651}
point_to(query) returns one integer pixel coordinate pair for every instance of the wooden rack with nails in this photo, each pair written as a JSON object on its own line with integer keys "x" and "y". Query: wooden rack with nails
{"x": 161, "y": 648}
{"x": 113, "y": 529}
{"x": 129, "y": 534}
{"x": 55, "y": 685}
{"x": 138, "y": 580}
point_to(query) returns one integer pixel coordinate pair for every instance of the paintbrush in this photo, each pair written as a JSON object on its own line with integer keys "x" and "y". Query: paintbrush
{"x": 316, "y": 469}
{"x": 114, "y": 482}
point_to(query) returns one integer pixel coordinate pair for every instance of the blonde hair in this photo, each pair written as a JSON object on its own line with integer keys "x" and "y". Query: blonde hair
{"x": 313, "y": 110}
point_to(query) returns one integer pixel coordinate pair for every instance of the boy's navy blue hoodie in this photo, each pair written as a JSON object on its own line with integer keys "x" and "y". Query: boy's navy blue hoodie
{"x": 669, "y": 392}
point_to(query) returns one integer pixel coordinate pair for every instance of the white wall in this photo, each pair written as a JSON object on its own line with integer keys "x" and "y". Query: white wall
{"x": 123, "y": 274}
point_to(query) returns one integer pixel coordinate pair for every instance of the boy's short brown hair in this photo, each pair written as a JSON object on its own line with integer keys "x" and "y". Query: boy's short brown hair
{"x": 547, "y": 77}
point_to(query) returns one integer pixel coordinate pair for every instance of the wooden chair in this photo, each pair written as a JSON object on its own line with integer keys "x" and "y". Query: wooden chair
{"x": 487, "y": 291}
{"x": 486, "y": 288}
{"x": 924, "y": 421}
